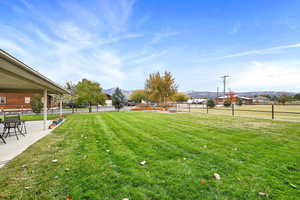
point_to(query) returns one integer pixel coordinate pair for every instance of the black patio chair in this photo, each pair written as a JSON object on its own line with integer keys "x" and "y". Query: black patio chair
{"x": 1, "y": 134}
{"x": 17, "y": 116}
{"x": 13, "y": 121}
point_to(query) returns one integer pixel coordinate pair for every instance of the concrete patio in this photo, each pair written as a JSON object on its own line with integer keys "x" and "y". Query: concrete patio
{"x": 14, "y": 147}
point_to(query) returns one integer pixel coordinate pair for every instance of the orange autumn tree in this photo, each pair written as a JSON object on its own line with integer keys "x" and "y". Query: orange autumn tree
{"x": 160, "y": 88}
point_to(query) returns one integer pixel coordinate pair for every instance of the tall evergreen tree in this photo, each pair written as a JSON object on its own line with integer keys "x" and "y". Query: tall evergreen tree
{"x": 118, "y": 99}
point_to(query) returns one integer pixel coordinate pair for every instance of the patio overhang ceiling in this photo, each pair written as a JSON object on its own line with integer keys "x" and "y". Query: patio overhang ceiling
{"x": 15, "y": 76}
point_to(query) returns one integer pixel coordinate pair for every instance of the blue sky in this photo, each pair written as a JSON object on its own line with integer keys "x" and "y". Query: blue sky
{"x": 119, "y": 42}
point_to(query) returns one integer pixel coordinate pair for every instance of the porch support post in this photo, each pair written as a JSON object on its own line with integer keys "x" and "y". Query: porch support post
{"x": 60, "y": 106}
{"x": 45, "y": 108}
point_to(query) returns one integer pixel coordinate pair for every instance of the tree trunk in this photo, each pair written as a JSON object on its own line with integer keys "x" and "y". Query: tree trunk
{"x": 90, "y": 108}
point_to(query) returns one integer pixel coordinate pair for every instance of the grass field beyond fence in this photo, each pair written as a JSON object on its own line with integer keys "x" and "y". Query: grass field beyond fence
{"x": 281, "y": 112}
{"x": 97, "y": 156}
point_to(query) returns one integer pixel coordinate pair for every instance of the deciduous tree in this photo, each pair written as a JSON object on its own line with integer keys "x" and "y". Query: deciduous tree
{"x": 89, "y": 92}
{"x": 138, "y": 95}
{"x": 297, "y": 97}
{"x": 67, "y": 99}
{"x": 210, "y": 103}
{"x": 284, "y": 99}
{"x": 180, "y": 97}
{"x": 160, "y": 88}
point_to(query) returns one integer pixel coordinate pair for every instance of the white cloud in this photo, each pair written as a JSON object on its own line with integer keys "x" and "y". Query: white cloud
{"x": 117, "y": 13}
{"x": 166, "y": 33}
{"x": 268, "y": 75}
{"x": 236, "y": 28}
{"x": 143, "y": 58}
{"x": 65, "y": 49}
{"x": 261, "y": 51}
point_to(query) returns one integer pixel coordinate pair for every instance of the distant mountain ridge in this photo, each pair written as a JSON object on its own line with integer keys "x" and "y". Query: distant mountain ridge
{"x": 207, "y": 94}
{"x": 110, "y": 91}
{"x": 199, "y": 94}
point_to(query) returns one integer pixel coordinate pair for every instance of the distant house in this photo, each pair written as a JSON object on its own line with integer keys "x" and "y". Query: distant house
{"x": 19, "y": 101}
{"x": 233, "y": 98}
{"x": 261, "y": 100}
{"x": 197, "y": 101}
{"x": 108, "y": 101}
{"x": 227, "y": 97}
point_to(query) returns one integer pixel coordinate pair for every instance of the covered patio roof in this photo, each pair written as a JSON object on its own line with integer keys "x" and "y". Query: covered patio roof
{"x": 15, "y": 76}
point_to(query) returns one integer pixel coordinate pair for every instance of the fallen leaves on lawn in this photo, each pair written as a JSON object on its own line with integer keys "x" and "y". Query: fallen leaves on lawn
{"x": 143, "y": 162}
{"x": 203, "y": 182}
{"x": 292, "y": 185}
{"x": 217, "y": 176}
{"x": 263, "y": 194}
{"x": 69, "y": 198}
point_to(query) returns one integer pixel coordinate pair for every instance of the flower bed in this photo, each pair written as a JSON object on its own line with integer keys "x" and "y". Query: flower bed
{"x": 160, "y": 107}
{"x": 56, "y": 122}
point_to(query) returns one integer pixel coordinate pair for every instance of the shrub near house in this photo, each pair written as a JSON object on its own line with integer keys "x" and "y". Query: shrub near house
{"x": 36, "y": 104}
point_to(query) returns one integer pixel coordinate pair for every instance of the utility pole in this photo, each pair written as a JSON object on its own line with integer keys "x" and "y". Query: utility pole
{"x": 224, "y": 83}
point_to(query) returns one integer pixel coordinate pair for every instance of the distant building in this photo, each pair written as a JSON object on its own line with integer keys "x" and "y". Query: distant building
{"x": 228, "y": 97}
{"x": 247, "y": 100}
{"x": 108, "y": 101}
{"x": 19, "y": 101}
{"x": 197, "y": 101}
{"x": 261, "y": 100}
{"x": 233, "y": 98}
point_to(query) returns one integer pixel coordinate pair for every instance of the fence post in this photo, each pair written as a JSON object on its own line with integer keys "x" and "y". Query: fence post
{"x": 232, "y": 109}
{"x": 206, "y": 108}
{"x": 273, "y": 114}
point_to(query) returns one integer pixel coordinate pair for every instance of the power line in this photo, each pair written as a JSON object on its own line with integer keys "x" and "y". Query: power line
{"x": 224, "y": 83}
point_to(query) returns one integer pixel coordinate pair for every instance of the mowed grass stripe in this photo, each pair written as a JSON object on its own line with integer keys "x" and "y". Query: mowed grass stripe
{"x": 254, "y": 162}
{"x": 163, "y": 169}
{"x": 132, "y": 175}
{"x": 155, "y": 136}
{"x": 86, "y": 171}
{"x": 210, "y": 156}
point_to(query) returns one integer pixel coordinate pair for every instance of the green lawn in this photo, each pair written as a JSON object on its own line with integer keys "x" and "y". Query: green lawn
{"x": 36, "y": 117}
{"x": 99, "y": 157}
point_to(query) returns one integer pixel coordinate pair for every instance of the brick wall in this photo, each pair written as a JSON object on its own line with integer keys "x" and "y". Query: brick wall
{"x": 17, "y": 100}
